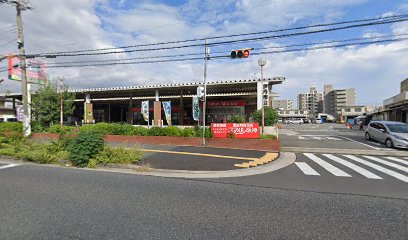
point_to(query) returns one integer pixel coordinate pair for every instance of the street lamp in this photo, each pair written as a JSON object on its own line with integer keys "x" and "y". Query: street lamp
{"x": 262, "y": 63}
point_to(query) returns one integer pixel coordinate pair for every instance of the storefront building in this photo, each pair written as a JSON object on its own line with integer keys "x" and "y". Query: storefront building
{"x": 123, "y": 104}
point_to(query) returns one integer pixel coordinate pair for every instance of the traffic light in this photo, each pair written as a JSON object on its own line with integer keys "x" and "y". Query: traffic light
{"x": 241, "y": 53}
{"x": 265, "y": 94}
{"x": 200, "y": 92}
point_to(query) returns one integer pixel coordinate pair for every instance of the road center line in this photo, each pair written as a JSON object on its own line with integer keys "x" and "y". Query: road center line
{"x": 332, "y": 169}
{"x": 9, "y": 166}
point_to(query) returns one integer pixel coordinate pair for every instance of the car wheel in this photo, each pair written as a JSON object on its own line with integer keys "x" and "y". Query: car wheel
{"x": 389, "y": 143}
{"x": 367, "y": 136}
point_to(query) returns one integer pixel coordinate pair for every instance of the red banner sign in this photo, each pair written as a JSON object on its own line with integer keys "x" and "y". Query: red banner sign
{"x": 236, "y": 130}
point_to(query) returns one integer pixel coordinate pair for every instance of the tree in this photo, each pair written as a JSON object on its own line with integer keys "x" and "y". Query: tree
{"x": 271, "y": 116}
{"x": 45, "y": 105}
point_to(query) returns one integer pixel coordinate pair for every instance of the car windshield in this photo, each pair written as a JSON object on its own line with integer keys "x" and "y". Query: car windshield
{"x": 398, "y": 128}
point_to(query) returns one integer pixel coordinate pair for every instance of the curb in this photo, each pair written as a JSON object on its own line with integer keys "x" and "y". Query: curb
{"x": 284, "y": 160}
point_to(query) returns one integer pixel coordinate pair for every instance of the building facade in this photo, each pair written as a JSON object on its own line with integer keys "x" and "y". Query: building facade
{"x": 396, "y": 107}
{"x": 335, "y": 99}
{"x": 284, "y": 104}
{"x": 311, "y": 101}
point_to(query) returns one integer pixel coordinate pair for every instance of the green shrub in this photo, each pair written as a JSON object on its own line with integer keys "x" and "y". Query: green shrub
{"x": 172, "y": 131}
{"x": 156, "y": 131}
{"x": 237, "y": 119}
{"x": 56, "y": 128}
{"x": 11, "y": 127}
{"x": 140, "y": 131}
{"x": 85, "y": 146}
{"x": 188, "y": 132}
{"x": 208, "y": 133}
{"x": 271, "y": 116}
{"x": 118, "y": 155}
{"x": 268, "y": 136}
{"x": 121, "y": 129}
{"x": 102, "y": 128}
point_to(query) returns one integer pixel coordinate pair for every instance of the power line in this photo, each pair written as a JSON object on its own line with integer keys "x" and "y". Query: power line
{"x": 9, "y": 42}
{"x": 227, "y": 56}
{"x": 225, "y": 36}
{"x": 223, "y": 42}
{"x": 199, "y": 54}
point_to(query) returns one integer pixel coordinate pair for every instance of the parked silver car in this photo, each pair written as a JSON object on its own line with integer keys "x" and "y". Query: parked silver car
{"x": 393, "y": 134}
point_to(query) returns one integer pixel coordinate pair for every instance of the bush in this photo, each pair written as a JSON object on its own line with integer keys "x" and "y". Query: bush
{"x": 188, "y": 132}
{"x": 173, "y": 131}
{"x": 85, "y": 146}
{"x": 271, "y": 116}
{"x": 56, "y": 128}
{"x": 101, "y": 128}
{"x": 117, "y": 155}
{"x": 11, "y": 127}
{"x": 268, "y": 136}
{"x": 121, "y": 129}
{"x": 237, "y": 119}
{"x": 140, "y": 131}
{"x": 156, "y": 131}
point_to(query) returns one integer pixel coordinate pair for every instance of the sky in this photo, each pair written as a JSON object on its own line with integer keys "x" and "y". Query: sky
{"x": 374, "y": 70}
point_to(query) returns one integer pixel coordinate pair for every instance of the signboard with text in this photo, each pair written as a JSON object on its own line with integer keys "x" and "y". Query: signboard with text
{"x": 36, "y": 71}
{"x": 238, "y": 130}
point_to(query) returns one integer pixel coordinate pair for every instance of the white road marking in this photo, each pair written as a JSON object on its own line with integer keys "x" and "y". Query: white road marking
{"x": 9, "y": 166}
{"x": 398, "y": 160}
{"x": 356, "y": 168}
{"x": 361, "y": 143}
{"x": 332, "y": 169}
{"x": 405, "y": 169}
{"x": 306, "y": 169}
{"x": 379, "y": 168}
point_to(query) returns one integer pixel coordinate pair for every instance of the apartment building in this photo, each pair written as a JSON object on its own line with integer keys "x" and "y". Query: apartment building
{"x": 335, "y": 99}
{"x": 284, "y": 104}
{"x": 311, "y": 101}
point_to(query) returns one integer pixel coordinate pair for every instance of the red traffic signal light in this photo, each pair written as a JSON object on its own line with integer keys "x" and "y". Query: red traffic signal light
{"x": 242, "y": 53}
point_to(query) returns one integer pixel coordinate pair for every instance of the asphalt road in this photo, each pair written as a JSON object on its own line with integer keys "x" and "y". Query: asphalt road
{"x": 327, "y": 135}
{"x": 39, "y": 202}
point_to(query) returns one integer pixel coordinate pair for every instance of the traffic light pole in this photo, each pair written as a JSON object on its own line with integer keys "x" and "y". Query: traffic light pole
{"x": 23, "y": 66}
{"x": 263, "y": 105}
{"x": 205, "y": 90}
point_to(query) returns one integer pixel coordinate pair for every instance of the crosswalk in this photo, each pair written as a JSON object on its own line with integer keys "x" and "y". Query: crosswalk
{"x": 370, "y": 167}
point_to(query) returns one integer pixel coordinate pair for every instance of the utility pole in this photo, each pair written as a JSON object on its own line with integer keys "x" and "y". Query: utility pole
{"x": 20, "y": 6}
{"x": 23, "y": 65}
{"x": 61, "y": 101}
{"x": 206, "y": 54}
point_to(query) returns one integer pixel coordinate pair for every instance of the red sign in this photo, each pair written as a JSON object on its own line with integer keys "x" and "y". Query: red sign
{"x": 238, "y": 130}
{"x": 230, "y": 103}
{"x": 36, "y": 70}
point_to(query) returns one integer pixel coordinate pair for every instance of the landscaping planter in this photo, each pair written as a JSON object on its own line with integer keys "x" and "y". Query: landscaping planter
{"x": 249, "y": 144}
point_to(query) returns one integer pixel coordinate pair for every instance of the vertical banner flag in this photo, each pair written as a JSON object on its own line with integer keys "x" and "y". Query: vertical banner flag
{"x": 19, "y": 113}
{"x": 196, "y": 108}
{"x": 167, "y": 111}
{"x": 145, "y": 110}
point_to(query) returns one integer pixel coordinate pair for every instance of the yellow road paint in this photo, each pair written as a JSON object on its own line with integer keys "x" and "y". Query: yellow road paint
{"x": 268, "y": 157}
{"x": 201, "y": 154}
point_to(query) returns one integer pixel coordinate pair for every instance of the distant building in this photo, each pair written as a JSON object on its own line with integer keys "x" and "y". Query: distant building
{"x": 335, "y": 99}
{"x": 291, "y": 114}
{"x": 285, "y": 104}
{"x": 350, "y": 112}
{"x": 311, "y": 101}
{"x": 396, "y": 107}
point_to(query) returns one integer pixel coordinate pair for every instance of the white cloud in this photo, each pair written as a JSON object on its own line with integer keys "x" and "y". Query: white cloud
{"x": 67, "y": 25}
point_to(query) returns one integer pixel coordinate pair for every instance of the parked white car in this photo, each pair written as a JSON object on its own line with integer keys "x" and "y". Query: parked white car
{"x": 393, "y": 134}
{"x": 296, "y": 121}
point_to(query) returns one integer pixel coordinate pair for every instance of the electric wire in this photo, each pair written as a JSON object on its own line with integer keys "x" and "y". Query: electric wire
{"x": 198, "y": 54}
{"x": 389, "y": 18}
{"x": 228, "y": 56}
